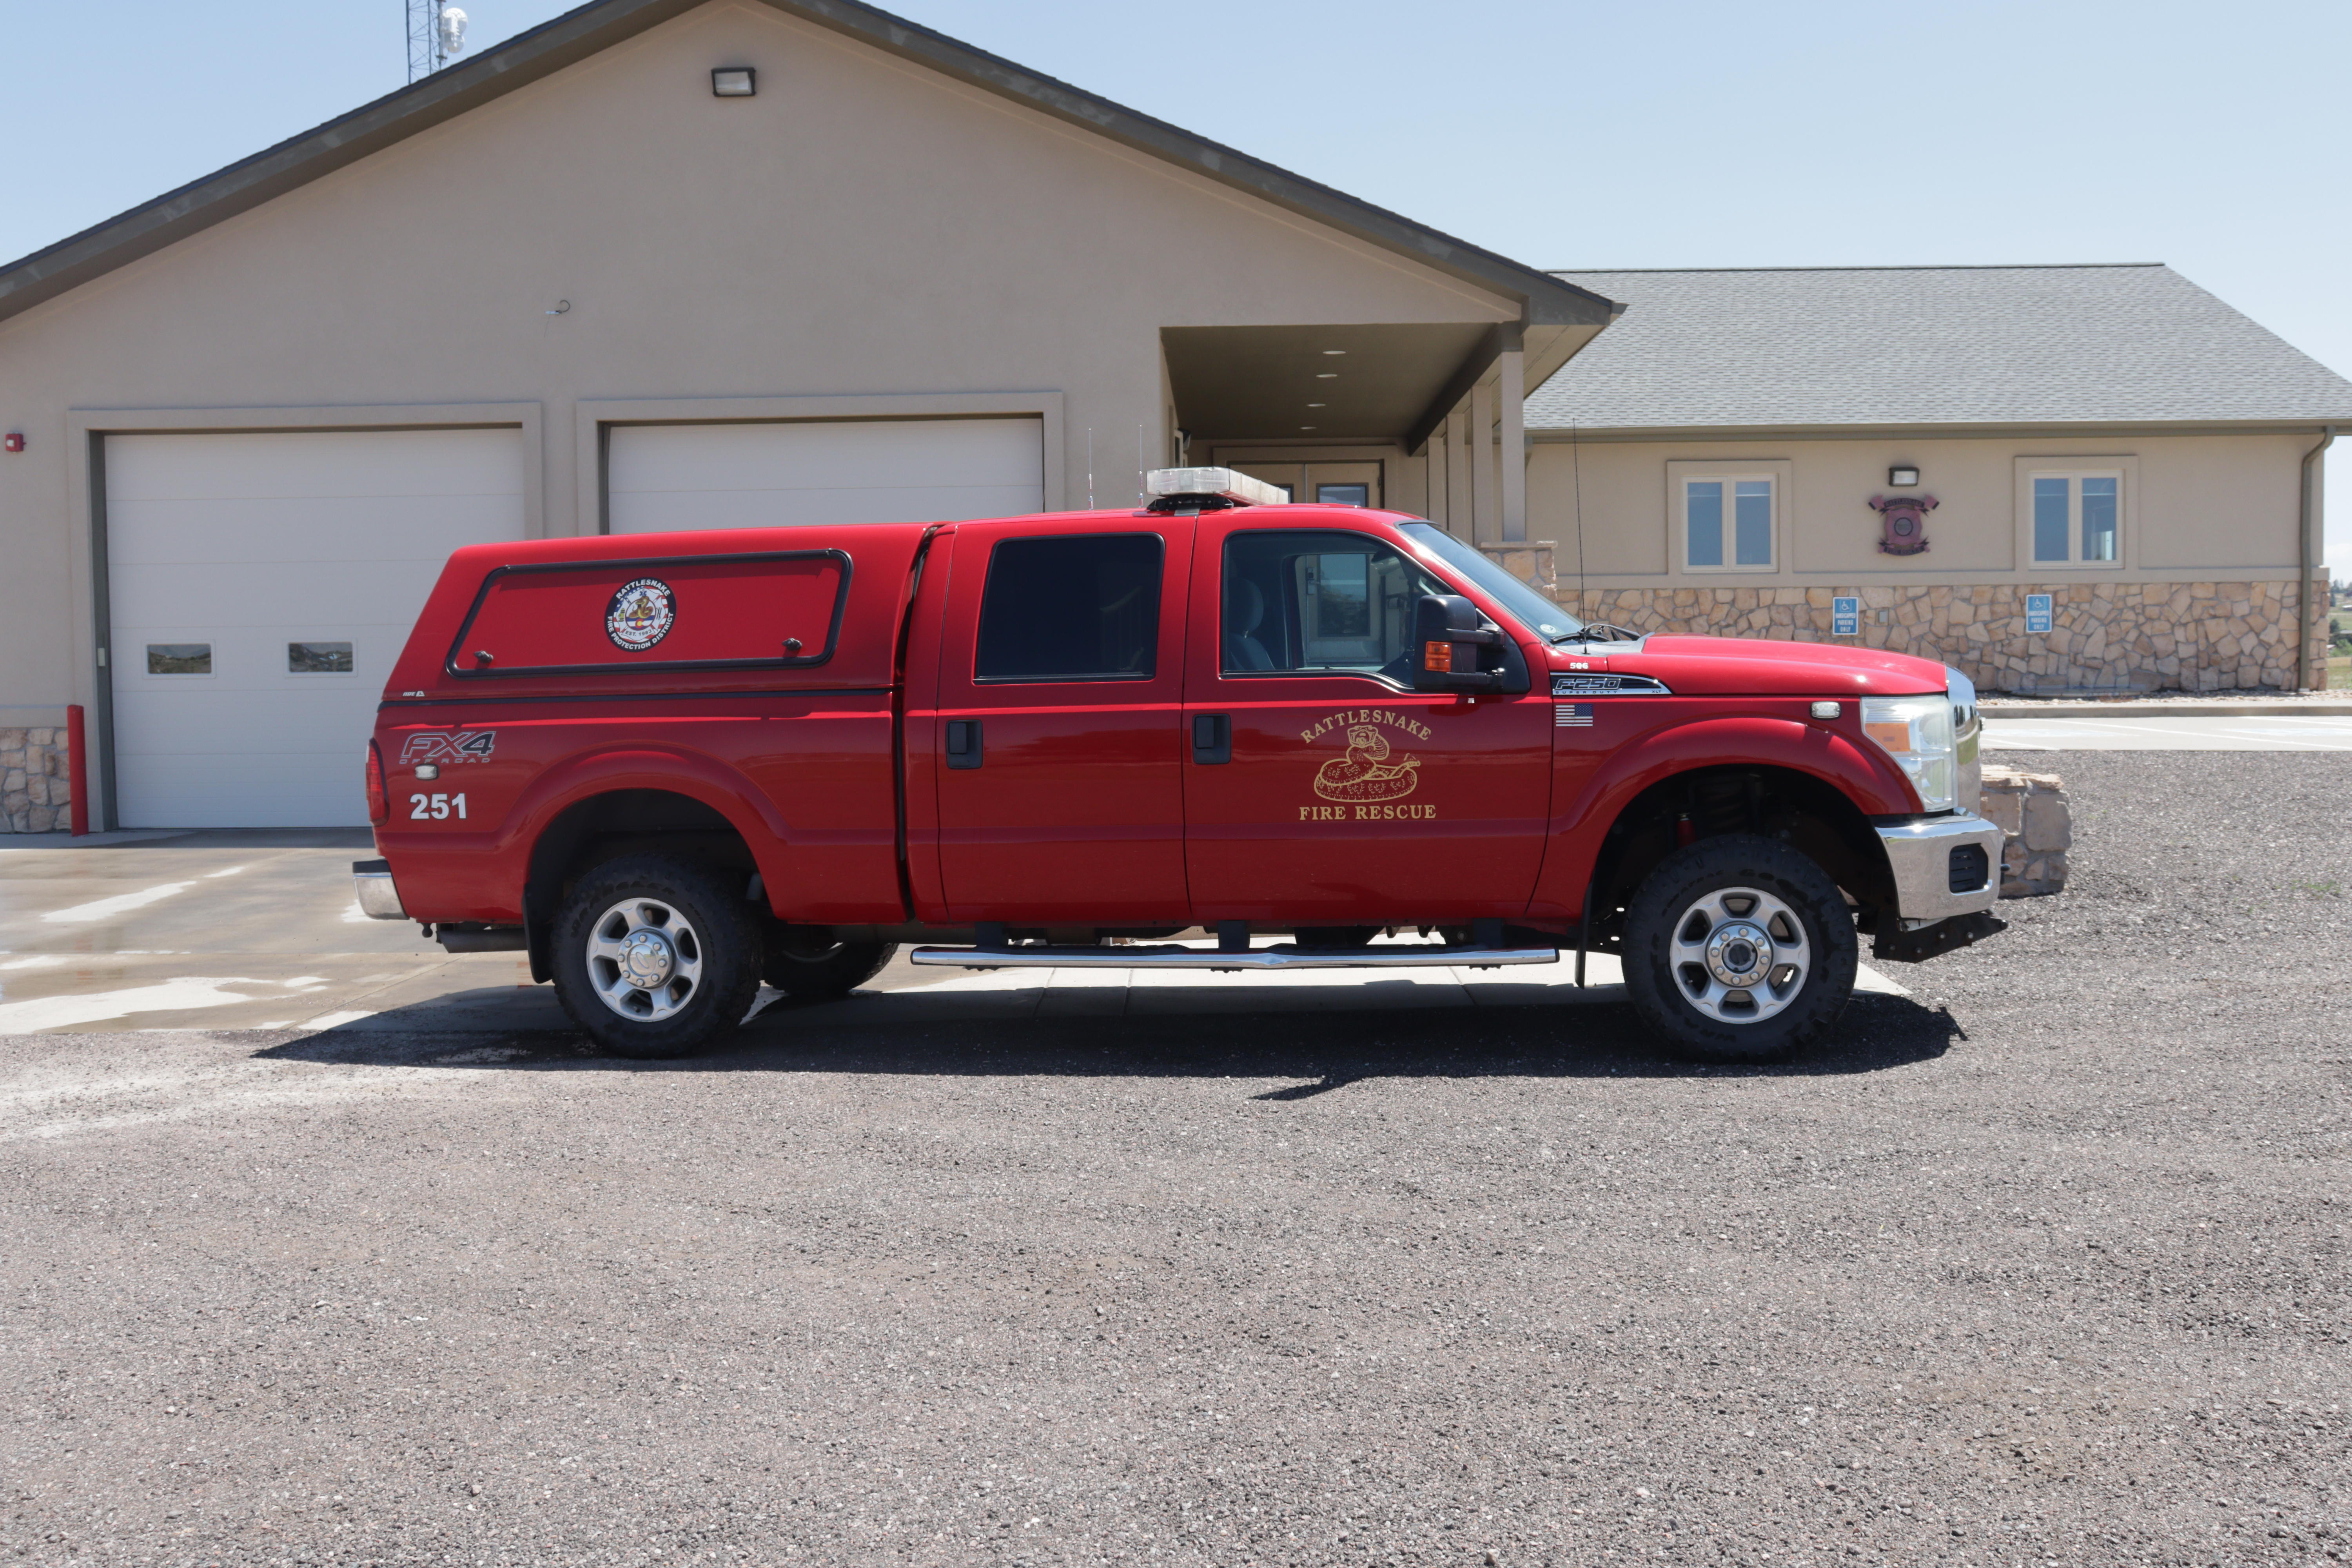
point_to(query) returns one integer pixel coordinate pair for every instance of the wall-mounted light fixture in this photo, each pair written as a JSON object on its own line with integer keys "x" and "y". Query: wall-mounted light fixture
{"x": 1903, "y": 475}
{"x": 734, "y": 82}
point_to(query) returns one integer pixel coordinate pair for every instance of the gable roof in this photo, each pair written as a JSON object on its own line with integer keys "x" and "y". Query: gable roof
{"x": 1868, "y": 346}
{"x": 577, "y": 34}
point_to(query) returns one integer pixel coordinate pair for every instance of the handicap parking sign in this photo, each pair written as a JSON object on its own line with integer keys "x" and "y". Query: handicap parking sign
{"x": 1846, "y": 617}
{"x": 2037, "y": 614}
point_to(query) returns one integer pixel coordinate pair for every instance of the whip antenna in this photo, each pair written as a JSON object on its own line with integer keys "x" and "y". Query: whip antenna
{"x": 1576, "y": 467}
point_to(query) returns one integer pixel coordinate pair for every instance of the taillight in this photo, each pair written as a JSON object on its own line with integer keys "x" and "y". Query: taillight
{"x": 379, "y": 798}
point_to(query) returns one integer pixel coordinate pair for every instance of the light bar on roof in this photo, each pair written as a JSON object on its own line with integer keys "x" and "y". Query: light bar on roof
{"x": 1225, "y": 482}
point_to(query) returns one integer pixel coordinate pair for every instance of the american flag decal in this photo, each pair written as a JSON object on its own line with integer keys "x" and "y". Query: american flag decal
{"x": 1573, "y": 715}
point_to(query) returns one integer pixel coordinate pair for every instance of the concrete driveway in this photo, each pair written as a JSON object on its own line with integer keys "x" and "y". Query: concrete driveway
{"x": 246, "y": 929}
{"x": 258, "y": 930}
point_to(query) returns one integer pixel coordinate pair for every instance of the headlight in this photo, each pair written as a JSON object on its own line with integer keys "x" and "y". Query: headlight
{"x": 1917, "y": 732}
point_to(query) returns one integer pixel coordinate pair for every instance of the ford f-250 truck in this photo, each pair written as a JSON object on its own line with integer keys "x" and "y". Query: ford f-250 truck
{"x": 671, "y": 767}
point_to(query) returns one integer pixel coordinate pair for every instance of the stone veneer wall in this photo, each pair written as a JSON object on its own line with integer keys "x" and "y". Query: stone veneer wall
{"x": 35, "y": 784}
{"x": 2104, "y": 637}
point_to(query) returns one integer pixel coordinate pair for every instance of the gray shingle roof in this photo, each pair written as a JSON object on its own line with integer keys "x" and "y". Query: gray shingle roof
{"x": 1928, "y": 345}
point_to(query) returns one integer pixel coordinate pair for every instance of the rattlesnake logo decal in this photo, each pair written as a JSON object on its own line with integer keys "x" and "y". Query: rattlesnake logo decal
{"x": 1366, "y": 773}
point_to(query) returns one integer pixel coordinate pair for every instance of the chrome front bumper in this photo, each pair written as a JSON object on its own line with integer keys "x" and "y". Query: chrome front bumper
{"x": 378, "y": 898}
{"x": 1920, "y": 852}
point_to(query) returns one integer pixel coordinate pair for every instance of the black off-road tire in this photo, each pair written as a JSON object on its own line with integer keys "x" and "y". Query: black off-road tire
{"x": 821, "y": 976}
{"x": 725, "y": 956}
{"x": 1666, "y": 901}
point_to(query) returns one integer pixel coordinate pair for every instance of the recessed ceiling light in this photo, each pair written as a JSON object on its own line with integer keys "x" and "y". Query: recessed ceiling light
{"x": 1318, "y": 406}
{"x": 1306, "y": 427}
{"x": 1326, "y": 375}
{"x": 1335, "y": 351}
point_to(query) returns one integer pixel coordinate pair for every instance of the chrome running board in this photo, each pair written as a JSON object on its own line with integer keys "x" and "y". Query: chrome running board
{"x": 1174, "y": 955}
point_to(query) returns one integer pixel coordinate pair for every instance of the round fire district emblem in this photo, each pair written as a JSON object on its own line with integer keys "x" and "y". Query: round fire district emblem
{"x": 640, "y": 615}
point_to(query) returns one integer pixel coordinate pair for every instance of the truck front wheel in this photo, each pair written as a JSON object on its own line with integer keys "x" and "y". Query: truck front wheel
{"x": 1739, "y": 949}
{"x": 653, "y": 958}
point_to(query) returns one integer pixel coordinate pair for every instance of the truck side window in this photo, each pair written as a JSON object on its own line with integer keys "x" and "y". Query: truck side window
{"x": 1319, "y": 601}
{"x": 1071, "y": 607}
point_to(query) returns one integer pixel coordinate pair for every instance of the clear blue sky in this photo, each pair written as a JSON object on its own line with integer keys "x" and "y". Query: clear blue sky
{"x": 1702, "y": 134}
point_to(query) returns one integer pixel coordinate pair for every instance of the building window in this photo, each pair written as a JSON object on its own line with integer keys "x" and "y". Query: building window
{"x": 1728, "y": 523}
{"x": 2077, "y": 519}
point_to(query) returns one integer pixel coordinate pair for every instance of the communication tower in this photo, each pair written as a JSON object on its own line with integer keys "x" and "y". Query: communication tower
{"x": 436, "y": 31}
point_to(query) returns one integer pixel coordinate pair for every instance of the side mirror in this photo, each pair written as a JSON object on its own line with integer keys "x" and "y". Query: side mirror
{"x": 1446, "y": 638}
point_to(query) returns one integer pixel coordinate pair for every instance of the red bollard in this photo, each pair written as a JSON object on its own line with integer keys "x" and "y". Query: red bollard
{"x": 77, "y": 767}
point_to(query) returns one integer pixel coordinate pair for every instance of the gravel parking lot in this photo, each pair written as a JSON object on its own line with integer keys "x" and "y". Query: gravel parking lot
{"x": 2044, "y": 1263}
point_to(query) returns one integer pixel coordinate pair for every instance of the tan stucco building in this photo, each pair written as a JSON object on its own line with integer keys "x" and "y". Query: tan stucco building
{"x": 569, "y": 287}
{"x": 585, "y": 282}
{"x": 2114, "y": 438}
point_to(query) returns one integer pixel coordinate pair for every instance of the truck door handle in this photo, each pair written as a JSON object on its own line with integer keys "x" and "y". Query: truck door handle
{"x": 1213, "y": 738}
{"x": 963, "y": 743}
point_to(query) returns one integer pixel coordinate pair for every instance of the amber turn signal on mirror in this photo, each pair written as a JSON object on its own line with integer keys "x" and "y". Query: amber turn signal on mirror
{"x": 1437, "y": 655}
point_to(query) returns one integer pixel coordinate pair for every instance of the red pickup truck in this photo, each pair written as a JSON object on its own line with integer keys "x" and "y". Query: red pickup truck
{"x": 671, "y": 766}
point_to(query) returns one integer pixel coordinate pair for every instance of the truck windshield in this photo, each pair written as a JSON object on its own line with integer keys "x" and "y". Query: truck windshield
{"x": 1539, "y": 614}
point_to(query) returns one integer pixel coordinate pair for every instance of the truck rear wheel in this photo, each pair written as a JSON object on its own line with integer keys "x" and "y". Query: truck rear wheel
{"x": 653, "y": 958}
{"x": 1739, "y": 949}
{"x": 817, "y": 973}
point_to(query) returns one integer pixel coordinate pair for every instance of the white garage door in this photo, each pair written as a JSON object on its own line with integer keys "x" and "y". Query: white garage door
{"x": 659, "y": 478}
{"x": 261, "y": 586}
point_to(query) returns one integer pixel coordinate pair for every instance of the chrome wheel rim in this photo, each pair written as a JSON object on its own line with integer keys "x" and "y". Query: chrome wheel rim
{"x": 644, "y": 961}
{"x": 1740, "y": 955}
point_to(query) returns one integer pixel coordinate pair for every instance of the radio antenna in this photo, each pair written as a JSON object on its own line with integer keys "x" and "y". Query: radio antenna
{"x": 1576, "y": 467}
{"x": 437, "y": 30}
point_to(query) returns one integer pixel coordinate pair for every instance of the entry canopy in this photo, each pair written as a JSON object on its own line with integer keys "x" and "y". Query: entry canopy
{"x": 1351, "y": 382}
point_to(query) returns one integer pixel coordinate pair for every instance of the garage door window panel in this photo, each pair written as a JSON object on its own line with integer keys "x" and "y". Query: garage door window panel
{"x": 179, "y": 659}
{"x": 319, "y": 658}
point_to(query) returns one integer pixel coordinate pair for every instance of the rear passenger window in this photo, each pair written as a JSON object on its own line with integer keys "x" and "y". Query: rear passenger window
{"x": 1072, "y": 607}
